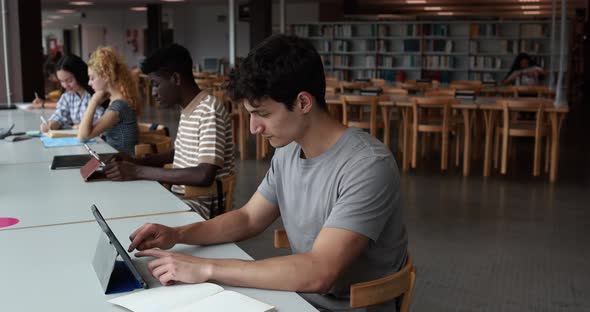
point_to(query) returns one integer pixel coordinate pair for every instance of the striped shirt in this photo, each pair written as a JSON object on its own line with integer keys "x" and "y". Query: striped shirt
{"x": 204, "y": 135}
{"x": 71, "y": 108}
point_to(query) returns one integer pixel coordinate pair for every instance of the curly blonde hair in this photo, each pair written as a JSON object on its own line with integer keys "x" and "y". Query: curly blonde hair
{"x": 107, "y": 63}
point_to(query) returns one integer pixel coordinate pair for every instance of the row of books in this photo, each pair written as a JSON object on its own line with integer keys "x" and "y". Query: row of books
{"x": 484, "y": 30}
{"x": 532, "y": 30}
{"x": 505, "y": 47}
{"x": 439, "y": 45}
{"x": 435, "y": 30}
{"x": 437, "y": 62}
{"x": 485, "y": 62}
{"x": 481, "y": 76}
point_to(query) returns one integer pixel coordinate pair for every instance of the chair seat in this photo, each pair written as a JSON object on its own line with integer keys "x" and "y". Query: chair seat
{"x": 523, "y": 129}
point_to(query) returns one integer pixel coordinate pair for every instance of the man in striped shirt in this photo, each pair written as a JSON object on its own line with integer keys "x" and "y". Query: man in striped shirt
{"x": 203, "y": 149}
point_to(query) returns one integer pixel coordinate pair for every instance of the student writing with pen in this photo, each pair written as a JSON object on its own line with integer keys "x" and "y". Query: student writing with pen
{"x": 72, "y": 73}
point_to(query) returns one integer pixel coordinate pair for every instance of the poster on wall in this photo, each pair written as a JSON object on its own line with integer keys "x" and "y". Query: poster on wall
{"x": 134, "y": 48}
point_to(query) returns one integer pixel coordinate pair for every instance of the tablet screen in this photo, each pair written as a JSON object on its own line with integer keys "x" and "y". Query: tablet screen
{"x": 120, "y": 250}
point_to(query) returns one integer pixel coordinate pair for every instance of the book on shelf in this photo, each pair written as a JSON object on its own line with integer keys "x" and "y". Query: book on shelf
{"x": 383, "y": 31}
{"x": 509, "y": 46}
{"x": 437, "y": 62}
{"x": 412, "y": 29}
{"x": 300, "y": 30}
{"x": 483, "y": 30}
{"x": 532, "y": 30}
{"x": 344, "y": 31}
{"x": 385, "y": 61}
{"x": 370, "y": 61}
{"x": 529, "y": 46}
{"x": 439, "y": 45}
{"x": 328, "y": 31}
{"x": 196, "y": 297}
{"x": 489, "y": 77}
{"x": 382, "y": 45}
{"x": 485, "y": 62}
{"x": 411, "y": 45}
{"x": 341, "y": 46}
{"x": 435, "y": 30}
{"x": 409, "y": 61}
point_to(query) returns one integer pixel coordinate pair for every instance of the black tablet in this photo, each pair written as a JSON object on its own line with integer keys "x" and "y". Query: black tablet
{"x": 74, "y": 161}
{"x": 120, "y": 250}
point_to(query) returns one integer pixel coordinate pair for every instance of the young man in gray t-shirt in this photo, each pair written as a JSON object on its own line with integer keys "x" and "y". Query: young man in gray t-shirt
{"x": 335, "y": 188}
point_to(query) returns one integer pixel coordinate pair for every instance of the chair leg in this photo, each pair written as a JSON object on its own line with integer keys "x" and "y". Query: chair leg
{"x": 537, "y": 157}
{"x": 504, "y": 163}
{"x": 423, "y": 144}
{"x": 457, "y": 149}
{"x": 444, "y": 151}
{"x": 414, "y": 147}
{"x": 547, "y": 152}
{"x": 496, "y": 149}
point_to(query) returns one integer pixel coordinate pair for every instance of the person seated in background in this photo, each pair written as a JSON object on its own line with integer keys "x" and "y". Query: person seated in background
{"x": 336, "y": 189}
{"x": 53, "y": 89}
{"x": 111, "y": 80}
{"x": 72, "y": 73}
{"x": 203, "y": 149}
{"x": 524, "y": 72}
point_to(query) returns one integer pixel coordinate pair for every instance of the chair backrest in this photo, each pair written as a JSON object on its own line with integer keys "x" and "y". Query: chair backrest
{"x": 440, "y": 92}
{"x": 360, "y": 100}
{"x": 395, "y": 91}
{"x": 332, "y": 82}
{"x": 376, "y": 291}
{"x": 152, "y": 128}
{"x": 228, "y": 184}
{"x": 386, "y": 289}
{"x": 443, "y": 104}
{"x": 330, "y": 90}
{"x": 474, "y": 83}
{"x": 509, "y": 107}
{"x": 377, "y": 82}
{"x": 149, "y": 143}
{"x": 345, "y": 85}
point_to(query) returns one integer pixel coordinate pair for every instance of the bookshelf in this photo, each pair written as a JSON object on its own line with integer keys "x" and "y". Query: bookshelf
{"x": 442, "y": 50}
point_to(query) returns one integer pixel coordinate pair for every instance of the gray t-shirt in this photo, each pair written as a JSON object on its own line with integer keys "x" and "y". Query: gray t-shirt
{"x": 123, "y": 135}
{"x": 354, "y": 185}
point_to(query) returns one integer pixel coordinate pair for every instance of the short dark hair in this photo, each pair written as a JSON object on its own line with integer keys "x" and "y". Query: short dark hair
{"x": 279, "y": 68}
{"x": 75, "y": 65}
{"x": 168, "y": 60}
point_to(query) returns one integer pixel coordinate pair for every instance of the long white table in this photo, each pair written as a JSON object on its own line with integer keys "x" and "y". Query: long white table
{"x": 50, "y": 268}
{"x": 39, "y": 196}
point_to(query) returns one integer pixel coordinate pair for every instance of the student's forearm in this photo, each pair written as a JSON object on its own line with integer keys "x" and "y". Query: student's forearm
{"x": 300, "y": 272}
{"x": 186, "y": 176}
{"x": 233, "y": 226}
{"x": 85, "y": 127}
{"x": 157, "y": 160}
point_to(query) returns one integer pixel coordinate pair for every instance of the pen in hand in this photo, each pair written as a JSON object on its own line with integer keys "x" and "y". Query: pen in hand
{"x": 45, "y": 122}
{"x": 37, "y": 98}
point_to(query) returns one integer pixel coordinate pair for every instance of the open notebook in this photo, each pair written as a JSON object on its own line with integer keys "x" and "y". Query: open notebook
{"x": 65, "y": 133}
{"x": 183, "y": 298}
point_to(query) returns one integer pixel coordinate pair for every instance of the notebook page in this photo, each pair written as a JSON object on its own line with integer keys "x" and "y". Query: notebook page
{"x": 166, "y": 298}
{"x": 227, "y": 301}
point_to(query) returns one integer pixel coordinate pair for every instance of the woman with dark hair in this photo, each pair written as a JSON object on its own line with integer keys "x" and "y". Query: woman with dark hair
{"x": 524, "y": 72}
{"x": 72, "y": 74}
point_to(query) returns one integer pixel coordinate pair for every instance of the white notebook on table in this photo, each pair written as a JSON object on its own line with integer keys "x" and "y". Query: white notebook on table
{"x": 183, "y": 298}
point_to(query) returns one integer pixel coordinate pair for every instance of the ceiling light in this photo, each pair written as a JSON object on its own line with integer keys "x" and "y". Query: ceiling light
{"x": 530, "y": 7}
{"x": 432, "y": 8}
{"x": 528, "y": 0}
{"x": 66, "y": 11}
{"x": 531, "y": 12}
{"x": 173, "y": 0}
{"x": 409, "y": 1}
{"x": 81, "y": 2}
{"x": 444, "y": 13}
{"x": 55, "y": 17}
{"x": 138, "y": 9}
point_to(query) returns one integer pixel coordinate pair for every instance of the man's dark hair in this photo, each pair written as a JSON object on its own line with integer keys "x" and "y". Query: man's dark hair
{"x": 75, "y": 65}
{"x": 279, "y": 68}
{"x": 168, "y": 60}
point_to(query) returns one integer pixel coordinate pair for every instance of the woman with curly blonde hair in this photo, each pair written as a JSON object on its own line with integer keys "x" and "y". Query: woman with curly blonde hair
{"x": 111, "y": 80}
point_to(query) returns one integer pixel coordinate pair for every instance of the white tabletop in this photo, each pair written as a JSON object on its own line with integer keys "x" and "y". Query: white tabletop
{"x": 39, "y": 196}
{"x": 50, "y": 268}
{"x": 32, "y": 150}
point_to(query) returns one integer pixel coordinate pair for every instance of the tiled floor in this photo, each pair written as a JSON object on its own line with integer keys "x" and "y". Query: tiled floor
{"x": 513, "y": 243}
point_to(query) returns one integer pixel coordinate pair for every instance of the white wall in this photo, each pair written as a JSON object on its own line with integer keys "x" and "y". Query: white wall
{"x": 303, "y": 12}
{"x": 196, "y": 27}
{"x": 116, "y": 22}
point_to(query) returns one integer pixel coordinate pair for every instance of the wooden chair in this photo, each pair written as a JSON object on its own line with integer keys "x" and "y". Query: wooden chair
{"x": 382, "y": 290}
{"x": 441, "y": 123}
{"x": 395, "y": 91}
{"x": 149, "y": 143}
{"x": 361, "y": 101}
{"x": 228, "y": 184}
{"x": 377, "y": 82}
{"x": 332, "y": 82}
{"x": 153, "y": 128}
{"x": 440, "y": 92}
{"x": 351, "y": 86}
{"x": 205, "y": 84}
{"x": 511, "y": 127}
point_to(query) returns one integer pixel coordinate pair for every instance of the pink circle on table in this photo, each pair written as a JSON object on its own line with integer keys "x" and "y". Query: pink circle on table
{"x": 4, "y": 222}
